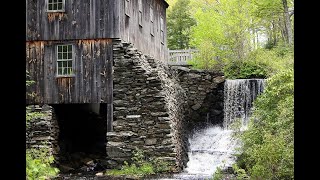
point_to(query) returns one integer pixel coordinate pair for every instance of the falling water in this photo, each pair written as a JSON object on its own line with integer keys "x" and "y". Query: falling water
{"x": 238, "y": 97}
{"x": 214, "y": 146}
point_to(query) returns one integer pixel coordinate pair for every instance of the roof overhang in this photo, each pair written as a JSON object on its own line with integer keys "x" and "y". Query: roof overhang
{"x": 165, "y": 2}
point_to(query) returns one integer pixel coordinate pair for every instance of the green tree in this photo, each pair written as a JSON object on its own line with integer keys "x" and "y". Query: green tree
{"x": 275, "y": 20}
{"x": 227, "y": 31}
{"x": 225, "y": 27}
{"x": 179, "y": 24}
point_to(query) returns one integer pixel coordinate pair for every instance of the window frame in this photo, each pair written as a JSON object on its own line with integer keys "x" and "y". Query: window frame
{"x": 162, "y": 29}
{"x": 60, "y": 10}
{"x": 151, "y": 20}
{"x": 65, "y": 60}
{"x": 140, "y": 7}
{"x": 127, "y": 7}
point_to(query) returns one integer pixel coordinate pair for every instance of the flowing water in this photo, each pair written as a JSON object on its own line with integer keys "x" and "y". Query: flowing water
{"x": 209, "y": 148}
{"x": 214, "y": 146}
{"x": 238, "y": 97}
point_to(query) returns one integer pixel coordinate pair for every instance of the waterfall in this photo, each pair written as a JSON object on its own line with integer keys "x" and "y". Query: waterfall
{"x": 214, "y": 146}
{"x": 238, "y": 97}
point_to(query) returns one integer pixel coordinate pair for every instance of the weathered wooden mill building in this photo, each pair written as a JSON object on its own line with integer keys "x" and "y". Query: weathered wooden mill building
{"x": 69, "y": 52}
{"x": 101, "y": 79}
{"x": 72, "y": 52}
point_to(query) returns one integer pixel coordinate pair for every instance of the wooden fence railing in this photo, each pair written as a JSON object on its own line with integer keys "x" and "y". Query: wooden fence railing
{"x": 180, "y": 57}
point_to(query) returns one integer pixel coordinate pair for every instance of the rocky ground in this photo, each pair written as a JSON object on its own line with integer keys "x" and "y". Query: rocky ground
{"x": 81, "y": 163}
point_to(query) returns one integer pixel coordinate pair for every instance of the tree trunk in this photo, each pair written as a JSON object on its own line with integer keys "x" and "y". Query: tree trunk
{"x": 288, "y": 30}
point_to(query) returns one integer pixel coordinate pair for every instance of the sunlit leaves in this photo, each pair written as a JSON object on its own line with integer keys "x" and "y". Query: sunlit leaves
{"x": 267, "y": 150}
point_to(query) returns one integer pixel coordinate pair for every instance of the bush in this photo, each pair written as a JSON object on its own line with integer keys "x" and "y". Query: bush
{"x": 267, "y": 149}
{"x": 261, "y": 63}
{"x": 246, "y": 70}
{"x": 238, "y": 174}
{"x": 140, "y": 166}
{"x": 39, "y": 163}
{"x": 218, "y": 175}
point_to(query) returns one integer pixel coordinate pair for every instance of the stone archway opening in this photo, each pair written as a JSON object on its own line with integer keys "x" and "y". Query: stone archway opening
{"x": 82, "y": 137}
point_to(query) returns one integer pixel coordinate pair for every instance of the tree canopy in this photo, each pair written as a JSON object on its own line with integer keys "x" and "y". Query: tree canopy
{"x": 225, "y": 31}
{"x": 180, "y": 22}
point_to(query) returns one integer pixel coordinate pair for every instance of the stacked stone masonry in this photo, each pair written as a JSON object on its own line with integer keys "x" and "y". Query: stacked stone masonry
{"x": 148, "y": 110}
{"x": 42, "y": 129}
{"x": 204, "y": 90}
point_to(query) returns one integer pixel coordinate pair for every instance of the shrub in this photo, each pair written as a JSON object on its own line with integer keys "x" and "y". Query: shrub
{"x": 140, "y": 166}
{"x": 267, "y": 149}
{"x": 218, "y": 175}
{"x": 39, "y": 163}
{"x": 261, "y": 63}
{"x": 246, "y": 70}
{"x": 39, "y": 160}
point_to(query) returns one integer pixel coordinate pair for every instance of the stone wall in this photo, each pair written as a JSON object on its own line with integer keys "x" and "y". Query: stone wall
{"x": 148, "y": 110}
{"x": 204, "y": 90}
{"x": 155, "y": 108}
{"x": 42, "y": 130}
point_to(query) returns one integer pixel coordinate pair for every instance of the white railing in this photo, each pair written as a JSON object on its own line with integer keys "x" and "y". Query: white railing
{"x": 180, "y": 57}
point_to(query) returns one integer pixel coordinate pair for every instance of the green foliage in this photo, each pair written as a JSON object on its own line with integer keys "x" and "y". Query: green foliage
{"x": 223, "y": 27}
{"x": 179, "y": 22}
{"x": 140, "y": 166}
{"x": 218, "y": 175}
{"x": 245, "y": 70}
{"x": 267, "y": 150}
{"x": 261, "y": 63}
{"x": 133, "y": 170}
{"x": 28, "y": 82}
{"x": 227, "y": 31}
{"x": 160, "y": 165}
{"x": 171, "y": 3}
{"x": 206, "y": 58}
{"x": 240, "y": 173}
{"x": 38, "y": 163}
{"x": 30, "y": 116}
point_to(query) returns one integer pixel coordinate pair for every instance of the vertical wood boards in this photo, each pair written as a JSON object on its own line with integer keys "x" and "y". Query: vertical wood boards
{"x": 92, "y": 79}
{"x": 99, "y": 19}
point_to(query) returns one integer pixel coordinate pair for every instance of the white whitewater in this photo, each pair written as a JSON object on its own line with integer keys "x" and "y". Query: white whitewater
{"x": 209, "y": 148}
{"x": 238, "y": 97}
{"x": 214, "y": 146}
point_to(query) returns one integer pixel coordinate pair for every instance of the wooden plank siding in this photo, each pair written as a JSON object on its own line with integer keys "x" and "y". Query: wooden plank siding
{"x": 82, "y": 19}
{"x": 92, "y": 80}
{"x": 140, "y": 35}
{"x": 96, "y": 19}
